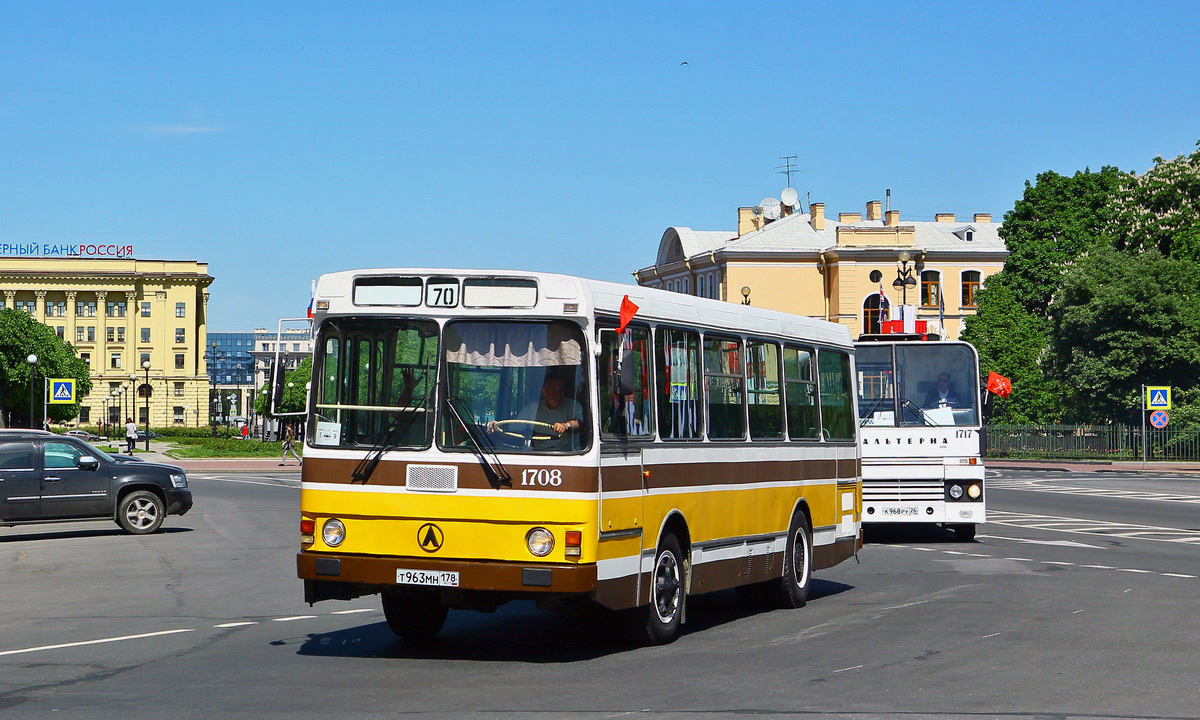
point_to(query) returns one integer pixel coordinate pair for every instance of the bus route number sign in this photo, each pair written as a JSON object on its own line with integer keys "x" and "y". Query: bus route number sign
{"x": 1159, "y": 418}
{"x": 441, "y": 292}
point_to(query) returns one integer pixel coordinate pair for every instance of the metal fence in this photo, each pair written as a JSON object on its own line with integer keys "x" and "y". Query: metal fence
{"x": 1108, "y": 442}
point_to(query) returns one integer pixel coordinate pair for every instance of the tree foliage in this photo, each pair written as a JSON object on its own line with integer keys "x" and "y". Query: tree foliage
{"x": 295, "y": 393}
{"x": 20, "y": 336}
{"x": 1120, "y": 321}
{"x": 1059, "y": 219}
{"x": 1160, "y": 209}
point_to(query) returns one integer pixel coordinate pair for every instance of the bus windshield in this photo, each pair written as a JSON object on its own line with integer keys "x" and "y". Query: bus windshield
{"x": 917, "y": 384}
{"x": 372, "y": 381}
{"x": 522, "y": 383}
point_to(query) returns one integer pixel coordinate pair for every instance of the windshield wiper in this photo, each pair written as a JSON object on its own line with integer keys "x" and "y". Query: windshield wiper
{"x": 863, "y": 418}
{"x": 497, "y": 474}
{"x": 400, "y": 423}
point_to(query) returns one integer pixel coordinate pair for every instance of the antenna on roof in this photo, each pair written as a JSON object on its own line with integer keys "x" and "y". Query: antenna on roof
{"x": 787, "y": 168}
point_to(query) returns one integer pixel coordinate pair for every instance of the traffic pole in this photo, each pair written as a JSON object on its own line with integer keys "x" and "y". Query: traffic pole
{"x": 1143, "y": 428}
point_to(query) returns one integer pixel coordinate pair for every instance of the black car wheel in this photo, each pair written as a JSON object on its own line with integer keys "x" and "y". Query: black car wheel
{"x": 140, "y": 512}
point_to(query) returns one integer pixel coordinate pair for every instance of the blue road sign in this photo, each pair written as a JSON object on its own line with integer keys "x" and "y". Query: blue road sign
{"x": 62, "y": 391}
{"x": 1159, "y": 418}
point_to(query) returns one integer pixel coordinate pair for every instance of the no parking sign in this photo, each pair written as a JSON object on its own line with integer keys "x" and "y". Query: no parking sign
{"x": 1159, "y": 418}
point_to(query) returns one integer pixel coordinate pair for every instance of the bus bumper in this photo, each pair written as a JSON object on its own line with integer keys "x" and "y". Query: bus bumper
{"x": 329, "y": 576}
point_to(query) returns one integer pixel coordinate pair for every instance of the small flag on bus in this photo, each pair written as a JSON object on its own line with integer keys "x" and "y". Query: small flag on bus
{"x": 999, "y": 384}
{"x": 628, "y": 310}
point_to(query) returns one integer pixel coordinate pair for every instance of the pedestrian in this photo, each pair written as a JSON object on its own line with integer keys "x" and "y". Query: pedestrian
{"x": 289, "y": 446}
{"x": 246, "y": 431}
{"x": 130, "y": 433}
{"x": 46, "y": 424}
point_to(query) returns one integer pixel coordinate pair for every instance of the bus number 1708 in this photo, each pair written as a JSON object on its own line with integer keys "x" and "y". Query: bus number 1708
{"x": 541, "y": 476}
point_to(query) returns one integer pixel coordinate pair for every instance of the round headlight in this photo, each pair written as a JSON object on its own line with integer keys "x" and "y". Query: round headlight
{"x": 956, "y": 491}
{"x": 540, "y": 542}
{"x": 975, "y": 491}
{"x": 333, "y": 532}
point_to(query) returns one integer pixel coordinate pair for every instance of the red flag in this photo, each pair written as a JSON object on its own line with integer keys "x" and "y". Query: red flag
{"x": 628, "y": 310}
{"x": 999, "y": 384}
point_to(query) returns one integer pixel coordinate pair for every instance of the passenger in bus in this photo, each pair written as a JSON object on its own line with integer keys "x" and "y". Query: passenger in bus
{"x": 944, "y": 395}
{"x": 555, "y": 409}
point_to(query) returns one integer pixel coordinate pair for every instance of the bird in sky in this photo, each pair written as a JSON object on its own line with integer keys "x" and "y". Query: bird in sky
{"x": 683, "y": 63}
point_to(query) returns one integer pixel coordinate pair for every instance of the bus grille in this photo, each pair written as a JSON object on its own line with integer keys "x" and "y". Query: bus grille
{"x": 432, "y": 478}
{"x": 901, "y": 490}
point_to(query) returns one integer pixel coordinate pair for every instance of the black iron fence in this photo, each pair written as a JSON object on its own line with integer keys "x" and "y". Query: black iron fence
{"x": 1091, "y": 442}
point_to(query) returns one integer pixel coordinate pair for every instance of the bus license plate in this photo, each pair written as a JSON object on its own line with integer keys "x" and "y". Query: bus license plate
{"x": 436, "y": 578}
{"x": 899, "y": 510}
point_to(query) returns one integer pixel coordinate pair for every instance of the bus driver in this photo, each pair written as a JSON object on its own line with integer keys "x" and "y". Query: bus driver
{"x": 554, "y": 408}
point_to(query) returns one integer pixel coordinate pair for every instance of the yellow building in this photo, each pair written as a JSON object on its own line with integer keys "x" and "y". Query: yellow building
{"x": 120, "y": 313}
{"x": 845, "y": 271}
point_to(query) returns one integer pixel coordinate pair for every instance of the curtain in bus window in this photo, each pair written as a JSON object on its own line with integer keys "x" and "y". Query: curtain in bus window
{"x": 624, "y": 384}
{"x": 837, "y": 415}
{"x": 678, "y": 384}
{"x": 800, "y": 394}
{"x": 763, "y": 391}
{"x": 512, "y": 344}
{"x": 723, "y": 382}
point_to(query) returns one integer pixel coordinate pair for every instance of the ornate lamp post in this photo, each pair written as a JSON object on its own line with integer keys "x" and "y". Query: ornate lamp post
{"x": 745, "y": 294}
{"x": 32, "y": 360}
{"x": 904, "y": 276}
{"x": 146, "y": 367}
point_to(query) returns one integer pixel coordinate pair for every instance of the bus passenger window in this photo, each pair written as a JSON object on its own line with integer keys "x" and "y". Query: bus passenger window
{"x": 678, "y": 384}
{"x": 837, "y": 414}
{"x": 623, "y": 378}
{"x": 763, "y": 392}
{"x": 800, "y": 394}
{"x": 723, "y": 381}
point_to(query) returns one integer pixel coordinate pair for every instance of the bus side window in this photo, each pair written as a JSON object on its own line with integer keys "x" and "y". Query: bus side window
{"x": 763, "y": 391}
{"x": 624, "y": 383}
{"x": 800, "y": 394}
{"x": 677, "y": 386}
{"x": 724, "y": 379}
{"x": 837, "y": 413}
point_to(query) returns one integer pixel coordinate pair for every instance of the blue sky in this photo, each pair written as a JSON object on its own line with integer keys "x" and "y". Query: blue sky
{"x": 277, "y": 141}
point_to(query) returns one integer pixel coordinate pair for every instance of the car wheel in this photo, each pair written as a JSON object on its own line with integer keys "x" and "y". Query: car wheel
{"x": 415, "y": 616}
{"x": 791, "y": 590}
{"x": 140, "y": 512}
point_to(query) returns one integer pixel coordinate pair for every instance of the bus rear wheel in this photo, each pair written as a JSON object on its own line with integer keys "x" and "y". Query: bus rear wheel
{"x": 658, "y": 623}
{"x": 414, "y": 616}
{"x": 791, "y": 590}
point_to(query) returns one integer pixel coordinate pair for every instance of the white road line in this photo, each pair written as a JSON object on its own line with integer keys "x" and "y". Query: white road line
{"x": 849, "y": 668}
{"x": 351, "y": 612}
{"x": 1178, "y": 575}
{"x": 294, "y": 617}
{"x": 234, "y": 624}
{"x": 985, "y": 637}
{"x": 96, "y": 642}
{"x": 279, "y": 484}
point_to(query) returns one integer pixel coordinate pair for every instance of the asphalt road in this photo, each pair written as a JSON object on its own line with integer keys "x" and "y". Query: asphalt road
{"x": 1079, "y": 599}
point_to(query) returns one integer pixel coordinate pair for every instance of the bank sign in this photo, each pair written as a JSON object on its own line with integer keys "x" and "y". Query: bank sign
{"x": 49, "y": 250}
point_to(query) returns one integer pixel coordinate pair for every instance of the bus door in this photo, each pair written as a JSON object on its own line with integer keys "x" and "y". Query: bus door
{"x": 626, "y": 427}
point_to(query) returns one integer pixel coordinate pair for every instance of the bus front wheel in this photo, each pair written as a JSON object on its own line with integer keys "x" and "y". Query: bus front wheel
{"x": 963, "y": 533}
{"x": 660, "y": 620}
{"x": 414, "y": 616}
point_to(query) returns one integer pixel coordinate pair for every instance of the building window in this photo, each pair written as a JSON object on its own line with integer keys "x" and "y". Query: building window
{"x": 27, "y": 306}
{"x": 85, "y": 415}
{"x": 295, "y": 347}
{"x": 178, "y": 389}
{"x": 79, "y": 333}
{"x": 931, "y": 288}
{"x": 145, "y": 335}
{"x": 116, "y": 308}
{"x": 110, "y": 334}
{"x": 85, "y": 309}
{"x": 180, "y": 310}
{"x": 61, "y": 331}
{"x": 970, "y": 287}
{"x": 875, "y": 311}
{"x": 143, "y": 415}
{"x": 143, "y": 359}
{"x": 91, "y": 333}
{"x": 120, "y": 334}
{"x": 56, "y": 309}
{"x": 179, "y": 336}
{"x": 114, "y": 361}
{"x": 177, "y": 414}
{"x": 86, "y": 358}
{"x": 178, "y": 361}
{"x": 145, "y": 309}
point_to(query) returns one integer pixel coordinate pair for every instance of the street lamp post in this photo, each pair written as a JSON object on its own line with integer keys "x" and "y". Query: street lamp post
{"x": 904, "y": 277}
{"x": 32, "y": 360}
{"x": 146, "y": 367}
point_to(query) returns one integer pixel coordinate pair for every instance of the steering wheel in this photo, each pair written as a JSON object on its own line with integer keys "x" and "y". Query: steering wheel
{"x": 528, "y": 423}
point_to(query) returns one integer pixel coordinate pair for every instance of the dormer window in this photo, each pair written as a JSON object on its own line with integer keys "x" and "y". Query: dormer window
{"x": 966, "y": 233}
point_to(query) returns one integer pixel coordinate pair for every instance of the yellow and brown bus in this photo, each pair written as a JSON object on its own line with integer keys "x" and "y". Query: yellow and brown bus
{"x": 477, "y": 437}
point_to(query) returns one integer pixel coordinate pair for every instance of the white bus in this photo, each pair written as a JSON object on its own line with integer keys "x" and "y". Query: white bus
{"x": 920, "y": 416}
{"x": 476, "y": 437}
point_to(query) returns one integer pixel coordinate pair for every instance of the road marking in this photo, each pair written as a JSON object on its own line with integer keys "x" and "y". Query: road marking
{"x": 351, "y": 612}
{"x": 294, "y": 617}
{"x": 1058, "y": 543}
{"x": 849, "y": 668}
{"x": 985, "y": 637}
{"x": 1048, "y": 487}
{"x": 234, "y": 624}
{"x": 1178, "y": 575}
{"x": 96, "y": 642}
{"x": 267, "y": 482}
{"x": 1128, "y": 531}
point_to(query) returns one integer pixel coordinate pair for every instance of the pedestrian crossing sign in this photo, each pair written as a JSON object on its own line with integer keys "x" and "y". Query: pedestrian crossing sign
{"x": 1158, "y": 397}
{"x": 62, "y": 391}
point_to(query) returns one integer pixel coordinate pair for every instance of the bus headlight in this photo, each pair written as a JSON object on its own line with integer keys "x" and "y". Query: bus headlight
{"x": 540, "y": 542}
{"x": 333, "y": 532}
{"x": 975, "y": 491}
{"x": 956, "y": 491}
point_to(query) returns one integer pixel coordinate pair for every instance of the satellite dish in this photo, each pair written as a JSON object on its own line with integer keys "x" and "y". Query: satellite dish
{"x": 770, "y": 208}
{"x": 790, "y": 197}
{"x": 756, "y": 211}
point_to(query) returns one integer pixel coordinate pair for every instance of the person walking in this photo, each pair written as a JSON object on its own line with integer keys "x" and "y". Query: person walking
{"x": 130, "y": 434}
{"x": 289, "y": 446}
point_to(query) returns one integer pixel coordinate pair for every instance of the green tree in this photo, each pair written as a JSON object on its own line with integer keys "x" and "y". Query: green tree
{"x": 20, "y": 336}
{"x": 1058, "y": 219}
{"x": 1120, "y": 321}
{"x": 294, "y": 390}
{"x": 1011, "y": 341}
{"x": 1160, "y": 209}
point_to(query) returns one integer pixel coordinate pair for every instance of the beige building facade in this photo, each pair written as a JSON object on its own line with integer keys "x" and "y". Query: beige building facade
{"x": 119, "y": 314}
{"x": 857, "y": 270}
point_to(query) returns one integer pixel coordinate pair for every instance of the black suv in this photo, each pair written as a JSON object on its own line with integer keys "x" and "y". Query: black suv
{"x": 45, "y": 477}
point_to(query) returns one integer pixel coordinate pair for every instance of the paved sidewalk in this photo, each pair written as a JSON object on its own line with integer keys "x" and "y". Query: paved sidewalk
{"x": 228, "y": 465}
